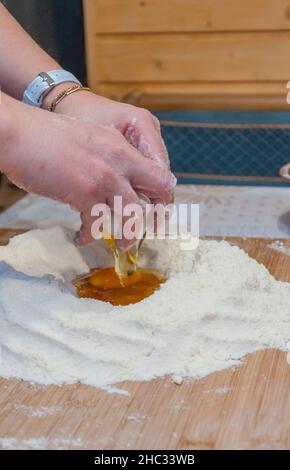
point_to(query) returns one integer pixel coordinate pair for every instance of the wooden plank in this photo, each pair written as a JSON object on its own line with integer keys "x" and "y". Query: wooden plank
{"x": 260, "y": 56}
{"x": 197, "y": 95}
{"x": 90, "y": 41}
{"x": 246, "y": 407}
{"x": 131, "y": 16}
{"x": 181, "y": 177}
{"x": 126, "y": 67}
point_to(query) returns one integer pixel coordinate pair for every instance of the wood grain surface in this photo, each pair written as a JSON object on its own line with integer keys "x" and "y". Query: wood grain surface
{"x": 197, "y": 95}
{"x": 189, "y": 54}
{"x": 246, "y": 407}
{"x": 131, "y": 16}
{"x": 240, "y": 56}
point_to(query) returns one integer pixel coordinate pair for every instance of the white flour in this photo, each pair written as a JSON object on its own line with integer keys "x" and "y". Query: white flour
{"x": 217, "y": 305}
{"x": 279, "y": 246}
{"x": 38, "y": 443}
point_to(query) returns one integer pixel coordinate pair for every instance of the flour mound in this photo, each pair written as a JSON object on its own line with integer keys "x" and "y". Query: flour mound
{"x": 217, "y": 305}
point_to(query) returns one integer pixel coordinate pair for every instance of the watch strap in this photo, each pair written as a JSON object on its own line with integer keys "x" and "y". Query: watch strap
{"x": 43, "y": 83}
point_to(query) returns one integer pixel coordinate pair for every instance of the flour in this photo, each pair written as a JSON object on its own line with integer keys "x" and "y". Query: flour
{"x": 40, "y": 252}
{"x": 38, "y": 443}
{"x": 38, "y": 412}
{"x": 279, "y": 246}
{"x": 217, "y": 305}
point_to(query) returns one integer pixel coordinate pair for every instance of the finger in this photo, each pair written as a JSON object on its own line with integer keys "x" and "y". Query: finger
{"x": 124, "y": 213}
{"x": 116, "y": 203}
{"x": 84, "y": 235}
{"x": 149, "y": 178}
{"x": 145, "y": 135}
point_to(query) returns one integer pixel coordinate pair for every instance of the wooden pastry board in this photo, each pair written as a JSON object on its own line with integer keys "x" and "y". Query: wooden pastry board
{"x": 245, "y": 407}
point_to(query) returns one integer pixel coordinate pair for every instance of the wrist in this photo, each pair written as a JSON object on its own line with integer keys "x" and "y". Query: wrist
{"x": 7, "y": 129}
{"x": 66, "y": 99}
{"x": 43, "y": 83}
{"x": 54, "y": 92}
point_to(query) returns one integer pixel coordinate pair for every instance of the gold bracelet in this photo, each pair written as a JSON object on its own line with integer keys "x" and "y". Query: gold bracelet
{"x": 65, "y": 93}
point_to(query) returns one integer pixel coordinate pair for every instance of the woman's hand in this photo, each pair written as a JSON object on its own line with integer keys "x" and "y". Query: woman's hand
{"x": 75, "y": 161}
{"x": 139, "y": 127}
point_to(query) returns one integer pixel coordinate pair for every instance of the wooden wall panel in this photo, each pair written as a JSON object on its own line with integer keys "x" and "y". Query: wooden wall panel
{"x": 199, "y": 95}
{"x": 254, "y": 56}
{"x": 131, "y": 16}
{"x": 187, "y": 54}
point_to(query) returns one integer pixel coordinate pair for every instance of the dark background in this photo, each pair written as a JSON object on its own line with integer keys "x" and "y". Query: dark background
{"x": 57, "y": 25}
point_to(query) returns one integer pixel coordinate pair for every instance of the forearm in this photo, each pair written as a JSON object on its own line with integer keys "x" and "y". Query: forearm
{"x": 6, "y": 127}
{"x": 21, "y": 59}
{"x": 10, "y": 128}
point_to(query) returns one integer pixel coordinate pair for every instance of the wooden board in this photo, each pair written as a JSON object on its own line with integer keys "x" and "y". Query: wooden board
{"x": 246, "y": 407}
{"x": 131, "y": 16}
{"x": 189, "y": 54}
{"x": 252, "y": 56}
{"x": 197, "y": 95}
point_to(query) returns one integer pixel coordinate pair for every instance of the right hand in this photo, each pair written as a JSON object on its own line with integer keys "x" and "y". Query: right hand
{"x": 79, "y": 163}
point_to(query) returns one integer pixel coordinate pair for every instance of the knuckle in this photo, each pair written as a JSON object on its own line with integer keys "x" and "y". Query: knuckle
{"x": 91, "y": 189}
{"x": 108, "y": 174}
{"x": 113, "y": 132}
{"x": 109, "y": 178}
{"x": 117, "y": 149}
{"x": 115, "y": 144}
{"x": 145, "y": 114}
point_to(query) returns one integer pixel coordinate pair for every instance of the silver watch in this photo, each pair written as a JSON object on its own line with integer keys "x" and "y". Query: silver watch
{"x": 43, "y": 83}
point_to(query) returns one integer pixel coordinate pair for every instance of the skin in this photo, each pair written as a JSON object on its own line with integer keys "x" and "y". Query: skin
{"x": 80, "y": 164}
{"x": 89, "y": 150}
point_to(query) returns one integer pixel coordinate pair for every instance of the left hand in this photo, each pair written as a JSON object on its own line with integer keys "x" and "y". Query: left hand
{"x": 140, "y": 128}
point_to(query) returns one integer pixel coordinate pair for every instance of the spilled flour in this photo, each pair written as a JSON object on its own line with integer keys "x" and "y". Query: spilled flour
{"x": 38, "y": 443}
{"x": 217, "y": 305}
{"x": 279, "y": 246}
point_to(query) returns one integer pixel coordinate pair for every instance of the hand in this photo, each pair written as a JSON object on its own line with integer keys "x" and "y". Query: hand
{"x": 139, "y": 127}
{"x": 77, "y": 162}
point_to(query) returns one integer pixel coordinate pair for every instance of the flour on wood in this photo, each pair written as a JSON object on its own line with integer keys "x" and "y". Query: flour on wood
{"x": 217, "y": 305}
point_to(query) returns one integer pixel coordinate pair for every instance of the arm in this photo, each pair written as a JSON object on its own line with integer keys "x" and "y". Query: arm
{"x": 21, "y": 59}
{"x": 74, "y": 161}
{"x": 78, "y": 161}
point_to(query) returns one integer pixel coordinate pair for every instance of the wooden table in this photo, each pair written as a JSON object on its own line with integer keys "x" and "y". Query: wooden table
{"x": 246, "y": 407}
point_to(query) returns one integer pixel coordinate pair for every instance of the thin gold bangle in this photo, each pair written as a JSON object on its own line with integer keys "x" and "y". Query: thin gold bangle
{"x": 65, "y": 93}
